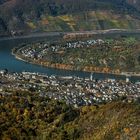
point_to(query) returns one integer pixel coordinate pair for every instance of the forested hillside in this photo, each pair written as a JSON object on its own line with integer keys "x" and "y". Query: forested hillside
{"x": 26, "y": 115}
{"x": 20, "y": 16}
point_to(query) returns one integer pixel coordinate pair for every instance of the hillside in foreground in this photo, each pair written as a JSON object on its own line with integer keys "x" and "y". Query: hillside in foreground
{"x": 24, "y": 16}
{"x": 26, "y": 115}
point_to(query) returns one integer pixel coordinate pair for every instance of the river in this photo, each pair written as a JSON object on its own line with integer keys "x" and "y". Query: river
{"x": 8, "y": 61}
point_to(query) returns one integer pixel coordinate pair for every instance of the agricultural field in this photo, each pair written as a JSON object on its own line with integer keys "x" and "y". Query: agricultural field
{"x": 23, "y": 17}
{"x": 92, "y": 20}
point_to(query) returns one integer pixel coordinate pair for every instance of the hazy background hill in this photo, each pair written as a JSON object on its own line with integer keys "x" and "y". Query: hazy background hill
{"x": 23, "y": 16}
{"x": 135, "y": 3}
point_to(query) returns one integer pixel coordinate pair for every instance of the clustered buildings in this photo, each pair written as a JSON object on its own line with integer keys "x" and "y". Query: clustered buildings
{"x": 39, "y": 50}
{"x": 73, "y": 90}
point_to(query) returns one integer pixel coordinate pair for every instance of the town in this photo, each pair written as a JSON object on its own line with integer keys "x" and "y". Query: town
{"x": 113, "y": 56}
{"x": 72, "y": 90}
{"x": 39, "y": 50}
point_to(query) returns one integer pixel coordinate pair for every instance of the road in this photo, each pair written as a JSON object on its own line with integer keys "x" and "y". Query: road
{"x": 96, "y": 32}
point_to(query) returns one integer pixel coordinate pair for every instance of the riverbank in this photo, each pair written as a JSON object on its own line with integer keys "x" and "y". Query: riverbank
{"x": 71, "y": 67}
{"x": 35, "y": 35}
{"x": 76, "y": 33}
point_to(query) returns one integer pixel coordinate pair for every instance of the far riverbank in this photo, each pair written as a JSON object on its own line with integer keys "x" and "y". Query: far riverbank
{"x": 70, "y": 67}
{"x": 93, "y": 32}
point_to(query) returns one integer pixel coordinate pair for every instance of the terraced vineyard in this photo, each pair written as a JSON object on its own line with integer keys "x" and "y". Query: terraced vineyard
{"x": 93, "y": 20}
{"x": 19, "y": 17}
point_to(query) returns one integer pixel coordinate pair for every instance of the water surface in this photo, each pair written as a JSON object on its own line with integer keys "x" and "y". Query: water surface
{"x": 8, "y": 61}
